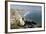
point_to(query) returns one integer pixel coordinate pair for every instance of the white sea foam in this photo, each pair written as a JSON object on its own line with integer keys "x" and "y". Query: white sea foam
{"x": 26, "y": 13}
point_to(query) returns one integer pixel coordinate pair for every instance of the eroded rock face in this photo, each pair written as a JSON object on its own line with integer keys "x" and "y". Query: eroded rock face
{"x": 16, "y": 19}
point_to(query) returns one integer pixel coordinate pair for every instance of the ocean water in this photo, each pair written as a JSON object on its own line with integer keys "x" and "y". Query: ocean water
{"x": 35, "y": 16}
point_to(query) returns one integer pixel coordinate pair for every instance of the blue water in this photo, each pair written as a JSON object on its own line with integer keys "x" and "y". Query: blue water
{"x": 35, "y": 16}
